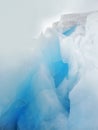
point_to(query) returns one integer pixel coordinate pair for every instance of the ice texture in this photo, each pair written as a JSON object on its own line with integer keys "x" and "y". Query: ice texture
{"x": 54, "y": 84}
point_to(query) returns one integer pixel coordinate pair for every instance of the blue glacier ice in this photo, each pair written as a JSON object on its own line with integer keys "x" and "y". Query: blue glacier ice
{"x": 69, "y": 31}
{"x": 53, "y": 85}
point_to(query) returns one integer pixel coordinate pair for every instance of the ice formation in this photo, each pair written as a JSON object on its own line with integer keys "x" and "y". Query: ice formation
{"x": 56, "y": 87}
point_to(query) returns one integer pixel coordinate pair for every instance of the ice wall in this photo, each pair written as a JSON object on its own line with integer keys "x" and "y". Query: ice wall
{"x": 53, "y": 85}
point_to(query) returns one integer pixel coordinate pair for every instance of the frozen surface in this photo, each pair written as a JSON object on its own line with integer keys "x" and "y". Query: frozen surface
{"x": 54, "y": 84}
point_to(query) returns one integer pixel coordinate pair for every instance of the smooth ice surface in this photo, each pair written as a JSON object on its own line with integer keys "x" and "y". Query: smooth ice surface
{"x": 53, "y": 85}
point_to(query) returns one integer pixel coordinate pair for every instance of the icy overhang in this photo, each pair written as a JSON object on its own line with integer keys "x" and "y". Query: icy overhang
{"x": 69, "y": 20}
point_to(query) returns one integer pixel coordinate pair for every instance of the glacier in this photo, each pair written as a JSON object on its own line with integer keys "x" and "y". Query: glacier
{"x": 54, "y": 84}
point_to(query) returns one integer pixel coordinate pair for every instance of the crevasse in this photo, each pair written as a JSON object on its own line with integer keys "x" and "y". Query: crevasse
{"x": 56, "y": 85}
